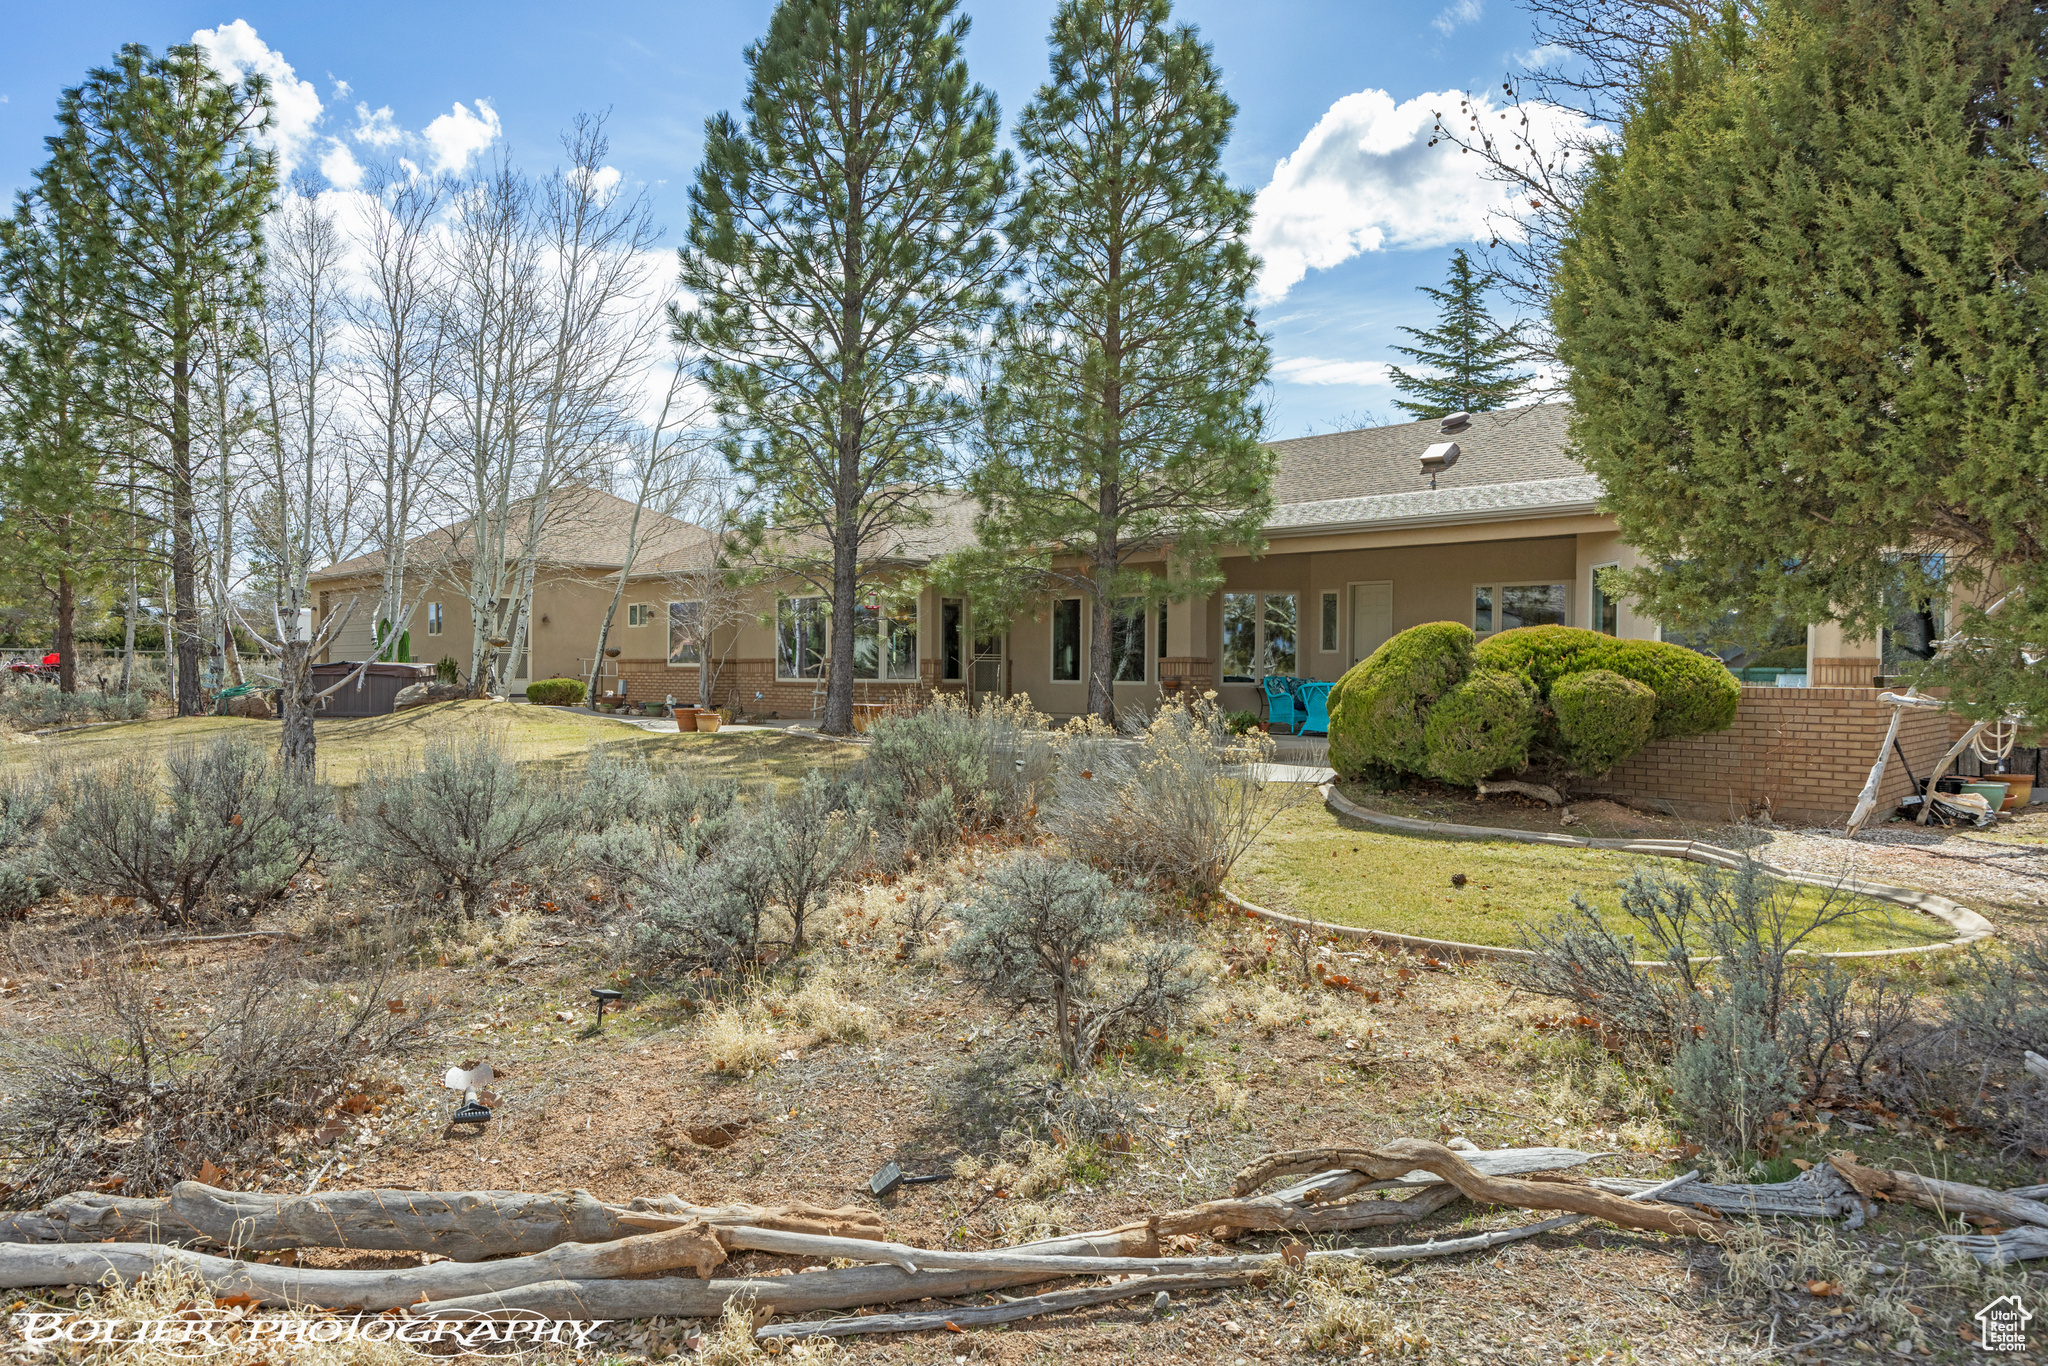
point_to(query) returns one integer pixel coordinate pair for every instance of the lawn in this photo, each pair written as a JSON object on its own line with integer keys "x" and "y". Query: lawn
{"x": 548, "y": 736}
{"x": 1313, "y": 863}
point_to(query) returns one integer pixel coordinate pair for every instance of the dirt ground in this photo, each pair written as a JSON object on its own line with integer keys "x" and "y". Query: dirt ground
{"x": 871, "y": 1051}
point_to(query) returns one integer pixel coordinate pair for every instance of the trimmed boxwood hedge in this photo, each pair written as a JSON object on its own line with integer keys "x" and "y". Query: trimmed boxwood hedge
{"x": 555, "y": 692}
{"x": 1695, "y": 693}
{"x": 1379, "y": 709}
{"x": 1480, "y": 727}
{"x": 1602, "y": 718}
{"x": 1587, "y": 701}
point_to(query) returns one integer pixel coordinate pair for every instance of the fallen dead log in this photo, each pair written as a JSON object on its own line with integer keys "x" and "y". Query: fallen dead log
{"x": 1945, "y": 1197}
{"x": 464, "y": 1226}
{"x": 1542, "y": 792}
{"x": 1058, "y": 1302}
{"x": 1402, "y": 1156}
{"x": 693, "y": 1245}
{"x": 1817, "y": 1194}
{"x": 2002, "y": 1249}
{"x": 803, "y": 1293}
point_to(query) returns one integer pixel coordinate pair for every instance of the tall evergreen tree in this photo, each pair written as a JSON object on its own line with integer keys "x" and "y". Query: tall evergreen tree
{"x": 1473, "y": 355}
{"x": 843, "y": 255}
{"x": 173, "y": 153}
{"x": 1805, "y": 341}
{"x": 52, "y": 268}
{"x": 1124, "y": 421}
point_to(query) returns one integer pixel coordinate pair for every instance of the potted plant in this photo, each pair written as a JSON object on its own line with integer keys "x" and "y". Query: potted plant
{"x": 707, "y": 722}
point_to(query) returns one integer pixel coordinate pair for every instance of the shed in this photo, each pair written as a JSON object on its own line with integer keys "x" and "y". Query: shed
{"x": 374, "y": 694}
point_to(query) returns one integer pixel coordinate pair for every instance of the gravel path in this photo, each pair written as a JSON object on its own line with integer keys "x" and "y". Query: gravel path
{"x": 2004, "y": 866}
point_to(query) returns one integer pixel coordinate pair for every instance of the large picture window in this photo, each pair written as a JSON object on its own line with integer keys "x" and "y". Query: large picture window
{"x": 683, "y": 619}
{"x": 800, "y": 638}
{"x": 1505, "y": 606}
{"x": 1066, "y": 641}
{"x": 1261, "y": 635}
{"x": 1127, "y": 643}
{"x": 885, "y": 642}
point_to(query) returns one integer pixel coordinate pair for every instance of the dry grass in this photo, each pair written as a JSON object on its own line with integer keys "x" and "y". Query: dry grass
{"x": 827, "y": 1008}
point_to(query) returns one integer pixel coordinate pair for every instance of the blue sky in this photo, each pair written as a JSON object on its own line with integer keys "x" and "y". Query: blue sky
{"x": 1334, "y": 99}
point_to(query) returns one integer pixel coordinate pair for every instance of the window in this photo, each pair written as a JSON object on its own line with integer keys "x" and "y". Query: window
{"x": 639, "y": 614}
{"x": 1328, "y": 643}
{"x": 1066, "y": 641}
{"x": 1162, "y": 630}
{"x": 433, "y": 618}
{"x": 885, "y": 642}
{"x": 952, "y": 639}
{"x": 1259, "y": 635}
{"x": 1127, "y": 643}
{"x": 1240, "y": 637}
{"x": 1520, "y": 604}
{"x": 1914, "y": 603}
{"x": 1281, "y": 620}
{"x": 800, "y": 638}
{"x": 684, "y": 622}
{"x": 1605, "y": 616}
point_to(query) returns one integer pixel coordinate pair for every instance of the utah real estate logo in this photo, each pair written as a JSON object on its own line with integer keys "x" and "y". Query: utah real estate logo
{"x": 2002, "y": 1325}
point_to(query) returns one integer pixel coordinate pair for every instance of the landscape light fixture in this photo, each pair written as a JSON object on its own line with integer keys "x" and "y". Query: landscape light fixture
{"x": 890, "y": 1177}
{"x": 605, "y": 996}
{"x": 469, "y": 1081}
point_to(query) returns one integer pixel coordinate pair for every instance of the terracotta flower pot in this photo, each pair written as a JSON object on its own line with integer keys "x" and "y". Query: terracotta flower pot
{"x": 707, "y": 723}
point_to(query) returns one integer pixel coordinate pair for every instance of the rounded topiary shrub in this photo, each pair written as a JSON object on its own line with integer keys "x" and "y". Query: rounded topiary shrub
{"x": 1695, "y": 693}
{"x": 1379, "y": 709}
{"x": 1602, "y": 718}
{"x": 555, "y": 692}
{"x": 1481, "y": 726}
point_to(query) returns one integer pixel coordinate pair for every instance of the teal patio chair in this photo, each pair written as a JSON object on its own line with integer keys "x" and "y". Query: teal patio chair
{"x": 1281, "y": 707}
{"x": 1314, "y": 699}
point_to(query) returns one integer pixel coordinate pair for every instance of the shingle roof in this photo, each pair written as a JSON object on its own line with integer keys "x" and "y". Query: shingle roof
{"x": 1423, "y": 507}
{"x": 585, "y": 528}
{"x": 1511, "y": 446}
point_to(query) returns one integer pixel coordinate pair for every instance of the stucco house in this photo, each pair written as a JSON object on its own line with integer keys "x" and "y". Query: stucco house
{"x": 1489, "y": 522}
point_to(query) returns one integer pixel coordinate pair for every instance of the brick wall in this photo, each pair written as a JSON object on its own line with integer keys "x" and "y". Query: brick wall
{"x": 1805, "y": 751}
{"x": 740, "y": 679}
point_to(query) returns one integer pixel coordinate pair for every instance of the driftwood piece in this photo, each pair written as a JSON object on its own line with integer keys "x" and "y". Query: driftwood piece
{"x": 692, "y": 1245}
{"x": 1947, "y": 1197}
{"x": 1396, "y": 1159}
{"x": 1817, "y": 1194}
{"x": 464, "y": 1226}
{"x": 1269, "y": 1214}
{"x": 1058, "y": 1302}
{"x": 1542, "y": 792}
{"x": 2023, "y": 1244}
{"x": 804, "y": 1293}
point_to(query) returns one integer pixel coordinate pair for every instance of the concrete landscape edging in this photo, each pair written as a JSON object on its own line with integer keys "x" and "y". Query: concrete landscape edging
{"x": 1970, "y": 927}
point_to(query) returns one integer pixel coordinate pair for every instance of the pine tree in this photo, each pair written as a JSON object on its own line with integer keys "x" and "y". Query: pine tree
{"x": 1124, "y": 417}
{"x": 173, "y": 154}
{"x": 843, "y": 255}
{"x": 1804, "y": 341}
{"x": 1473, "y": 355}
{"x": 52, "y": 444}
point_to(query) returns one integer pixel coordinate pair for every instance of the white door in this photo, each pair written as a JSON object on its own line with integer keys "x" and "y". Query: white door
{"x": 1372, "y": 617}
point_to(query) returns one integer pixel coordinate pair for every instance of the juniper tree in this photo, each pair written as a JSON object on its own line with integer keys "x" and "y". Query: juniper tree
{"x": 1804, "y": 341}
{"x": 1123, "y": 417}
{"x": 1474, "y": 357}
{"x": 173, "y": 153}
{"x": 843, "y": 255}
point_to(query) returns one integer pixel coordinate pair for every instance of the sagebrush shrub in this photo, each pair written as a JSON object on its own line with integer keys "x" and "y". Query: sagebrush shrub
{"x": 1041, "y": 931}
{"x": 928, "y": 776}
{"x": 25, "y": 877}
{"x": 32, "y": 705}
{"x": 633, "y": 815}
{"x": 456, "y": 819}
{"x": 1181, "y": 802}
{"x": 223, "y": 819}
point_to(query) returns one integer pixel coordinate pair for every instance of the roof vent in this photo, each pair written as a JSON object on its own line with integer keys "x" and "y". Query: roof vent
{"x": 1439, "y": 458}
{"x": 1455, "y": 422}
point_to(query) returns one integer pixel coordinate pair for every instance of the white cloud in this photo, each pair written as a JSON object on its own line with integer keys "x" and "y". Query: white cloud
{"x": 1538, "y": 57}
{"x": 235, "y": 50}
{"x": 377, "y": 127}
{"x": 1455, "y": 14}
{"x": 342, "y": 89}
{"x": 1366, "y": 179}
{"x": 459, "y": 135}
{"x": 340, "y": 166}
{"x": 1316, "y": 370}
